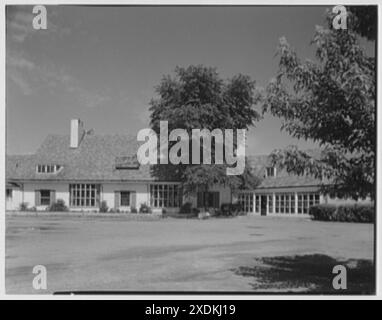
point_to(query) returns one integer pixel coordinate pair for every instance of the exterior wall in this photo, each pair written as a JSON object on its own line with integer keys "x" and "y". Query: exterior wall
{"x": 225, "y": 196}
{"x": 26, "y": 194}
{"x": 272, "y": 192}
{"x": 61, "y": 188}
{"x": 142, "y": 193}
{"x": 14, "y": 202}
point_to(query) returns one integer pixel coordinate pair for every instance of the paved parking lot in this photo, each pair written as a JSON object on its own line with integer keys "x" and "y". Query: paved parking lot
{"x": 252, "y": 254}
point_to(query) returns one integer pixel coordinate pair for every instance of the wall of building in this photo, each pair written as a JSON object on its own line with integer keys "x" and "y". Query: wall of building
{"x": 61, "y": 188}
{"x": 13, "y": 203}
{"x": 225, "y": 195}
{"x": 141, "y": 189}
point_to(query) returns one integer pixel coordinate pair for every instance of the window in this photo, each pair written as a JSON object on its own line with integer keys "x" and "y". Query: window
{"x": 165, "y": 195}
{"x": 257, "y": 204}
{"x": 306, "y": 200}
{"x": 125, "y": 198}
{"x": 48, "y": 168}
{"x": 45, "y": 197}
{"x": 126, "y": 162}
{"x": 271, "y": 172}
{"x": 8, "y": 194}
{"x": 246, "y": 201}
{"x": 84, "y": 195}
{"x": 270, "y": 203}
{"x": 285, "y": 203}
{"x": 210, "y": 199}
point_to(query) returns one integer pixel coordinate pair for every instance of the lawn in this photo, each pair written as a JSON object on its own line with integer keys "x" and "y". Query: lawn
{"x": 246, "y": 254}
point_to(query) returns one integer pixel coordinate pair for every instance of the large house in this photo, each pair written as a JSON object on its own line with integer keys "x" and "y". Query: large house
{"x": 84, "y": 169}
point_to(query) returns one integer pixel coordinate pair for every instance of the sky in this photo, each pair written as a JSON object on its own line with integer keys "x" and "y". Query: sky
{"x": 101, "y": 64}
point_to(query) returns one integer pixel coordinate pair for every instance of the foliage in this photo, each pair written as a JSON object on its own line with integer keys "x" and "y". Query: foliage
{"x": 133, "y": 210}
{"x": 343, "y": 213}
{"x": 198, "y": 98}
{"x": 186, "y": 208}
{"x": 144, "y": 208}
{"x": 332, "y": 102}
{"x": 58, "y": 206}
{"x": 364, "y": 21}
{"x": 23, "y": 206}
{"x": 230, "y": 209}
{"x": 103, "y": 207}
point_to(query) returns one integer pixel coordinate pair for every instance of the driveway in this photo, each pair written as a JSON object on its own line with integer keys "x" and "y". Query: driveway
{"x": 243, "y": 254}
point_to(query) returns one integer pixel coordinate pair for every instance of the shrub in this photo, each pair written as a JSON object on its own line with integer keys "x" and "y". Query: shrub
{"x": 343, "y": 213}
{"x": 228, "y": 209}
{"x": 23, "y": 206}
{"x": 58, "y": 206}
{"x": 103, "y": 207}
{"x": 144, "y": 208}
{"x": 195, "y": 211}
{"x": 133, "y": 210}
{"x": 186, "y": 208}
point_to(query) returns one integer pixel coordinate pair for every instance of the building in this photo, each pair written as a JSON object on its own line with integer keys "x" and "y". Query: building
{"x": 84, "y": 169}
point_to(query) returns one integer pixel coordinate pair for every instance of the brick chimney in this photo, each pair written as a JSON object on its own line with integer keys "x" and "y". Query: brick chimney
{"x": 76, "y": 132}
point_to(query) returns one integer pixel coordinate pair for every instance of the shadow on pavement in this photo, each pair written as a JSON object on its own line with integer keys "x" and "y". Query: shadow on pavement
{"x": 308, "y": 274}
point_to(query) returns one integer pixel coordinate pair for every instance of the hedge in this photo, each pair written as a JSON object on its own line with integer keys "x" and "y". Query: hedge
{"x": 344, "y": 213}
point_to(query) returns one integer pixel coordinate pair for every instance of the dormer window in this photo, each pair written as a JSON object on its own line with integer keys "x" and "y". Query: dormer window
{"x": 126, "y": 162}
{"x": 271, "y": 172}
{"x": 48, "y": 168}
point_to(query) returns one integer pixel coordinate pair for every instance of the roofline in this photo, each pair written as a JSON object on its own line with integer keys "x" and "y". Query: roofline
{"x": 87, "y": 180}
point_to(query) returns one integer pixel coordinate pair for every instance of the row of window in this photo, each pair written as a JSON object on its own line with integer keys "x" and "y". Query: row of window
{"x": 88, "y": 195}
{"x": 48, "y": 168}
{"x": 246, "y": 201}
{"x": 285, "y": 203}
{"x": 84, "y": 195}
{"x": 165, "y": 195}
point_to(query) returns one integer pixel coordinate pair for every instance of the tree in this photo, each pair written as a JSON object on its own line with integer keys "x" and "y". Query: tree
{"x": 332, "y": 102}
{"x": 197, "y": 98}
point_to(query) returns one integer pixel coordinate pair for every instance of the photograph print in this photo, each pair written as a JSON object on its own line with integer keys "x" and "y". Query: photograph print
{"x": 190, "y": 149}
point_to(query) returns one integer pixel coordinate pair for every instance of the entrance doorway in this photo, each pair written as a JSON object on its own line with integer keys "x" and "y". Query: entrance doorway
{"x": 263, "y": 205}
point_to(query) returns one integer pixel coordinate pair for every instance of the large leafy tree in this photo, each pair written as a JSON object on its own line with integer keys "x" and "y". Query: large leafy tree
{"x": 331, "y": 101}
{"x": 196, "y": 97}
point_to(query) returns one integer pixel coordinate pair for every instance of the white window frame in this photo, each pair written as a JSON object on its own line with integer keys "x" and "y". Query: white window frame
{"x": 83, "y": 195}
{"x": 48, "y": 168}
{"x": 165, "y": 195}
{"x": 129, "y": 198}
{"x": 246, "y": 201}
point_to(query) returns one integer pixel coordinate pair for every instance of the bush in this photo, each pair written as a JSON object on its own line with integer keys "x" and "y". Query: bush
{"x": 343, "y": 213}
{"x": 133, "y": 210}
{"x": 144, "y": 208}
{"x": 23, "y": 206}
{"x": 230, "y": 209}
{"x": 58, "y": 206}
{"x": 186, "y": 208}
{"x": 103, "y": 207}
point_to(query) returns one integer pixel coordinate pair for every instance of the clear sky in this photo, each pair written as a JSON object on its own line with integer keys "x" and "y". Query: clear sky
{"x": 101, "y": 64}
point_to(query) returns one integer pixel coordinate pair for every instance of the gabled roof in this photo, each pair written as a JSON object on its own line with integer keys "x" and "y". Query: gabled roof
{"x": 96, "y": 157}
{"x": 18, "y": 166}
{"x": 283, "y": 179}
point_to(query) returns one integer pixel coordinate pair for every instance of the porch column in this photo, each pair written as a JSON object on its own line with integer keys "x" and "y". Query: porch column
{"x": 295, "y": 203}
{"x": 273, "y": 202}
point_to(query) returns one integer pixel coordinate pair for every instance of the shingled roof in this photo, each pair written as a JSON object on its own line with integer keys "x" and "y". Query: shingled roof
{"x": 283, "y": 179}
{"x": 95, "y": 160}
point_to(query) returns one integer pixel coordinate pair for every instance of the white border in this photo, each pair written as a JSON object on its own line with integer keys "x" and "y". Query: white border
{"x": 198, "y": 296}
